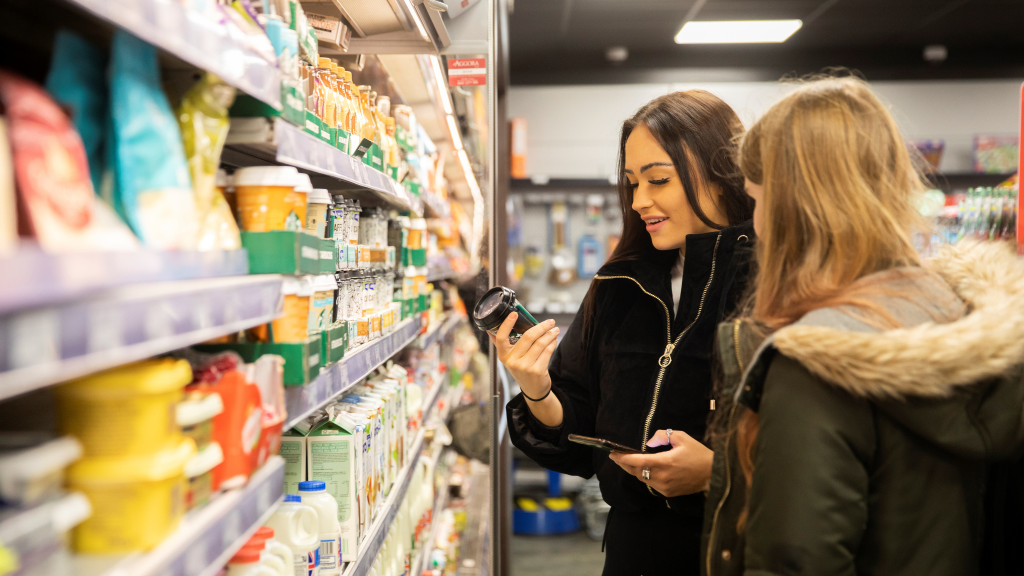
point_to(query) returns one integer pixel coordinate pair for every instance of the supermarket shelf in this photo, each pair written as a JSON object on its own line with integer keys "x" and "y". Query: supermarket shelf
{"x": 439, "y": 333}
{"x": 33, "y": 277}
{"x": 584, "y": 185}
{"x": 338, "y": 378}
{"x": 440, "y": 503}
{"x": 194, "y": 38}
{"x": 261, "y": 141}
{"x": 435, "y": 206}
{"x": 206, "y": 540}
{"x": 44, "y": 346}
{"x": 370, "y": 546}
{"x": 950, "y": 182}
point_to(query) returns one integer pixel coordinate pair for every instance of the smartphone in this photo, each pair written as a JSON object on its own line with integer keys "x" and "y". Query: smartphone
{"x": 601, "y": 444}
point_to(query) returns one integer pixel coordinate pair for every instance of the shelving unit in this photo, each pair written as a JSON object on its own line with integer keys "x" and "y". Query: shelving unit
{"x": 48, "y": 344}
{"x": 338, "y": 378}
{"x": 439, "y": 333}
{"x": 440, "y": 503}
{"x": 208, "y": 538}
{"x": 371, "y": 545}
{"x": 260, "y": 141}
{"x": 181, "y": 31}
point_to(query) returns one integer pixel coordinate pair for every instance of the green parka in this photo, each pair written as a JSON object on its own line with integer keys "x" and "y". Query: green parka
{"x": 872, "y": 448}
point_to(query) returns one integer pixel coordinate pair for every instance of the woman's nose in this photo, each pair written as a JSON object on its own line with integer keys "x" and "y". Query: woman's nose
{"x": 641, "y": 200}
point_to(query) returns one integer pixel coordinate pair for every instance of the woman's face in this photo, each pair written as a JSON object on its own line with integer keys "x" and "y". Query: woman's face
{"x": 658, "y": 194}
{"x": 756, "y": 191}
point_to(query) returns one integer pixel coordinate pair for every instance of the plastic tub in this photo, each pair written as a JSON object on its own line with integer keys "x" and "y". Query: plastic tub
{"x": 33, "y": 473}
{"x": 137, "y": 500}
{"x": 195, "y": 416}
{"x": 269, "y": 198}
{"x": 199, "y": 472}
{"x": 125, "y": 411}
{"x": 292, "y": 326}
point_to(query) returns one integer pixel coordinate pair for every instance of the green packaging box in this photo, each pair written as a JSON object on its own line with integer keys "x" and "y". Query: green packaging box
{"x": 302, "y": 360}
{"x": 283, "y": 252}
{"x": 418, "y": 257}
{"x": 421, "y": 303}
{"x": 342, "y": 143}
{"x": 335, "y": 342}
{"x": 376, "y": 158}
{"x": 312, "y": 125}
{"x": 328, "y": 256}
{"x": 408, "y": 308}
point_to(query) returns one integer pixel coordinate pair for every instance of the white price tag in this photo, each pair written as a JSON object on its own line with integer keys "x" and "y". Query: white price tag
{"x": 34, "y": 338}
{"x": 264, "y": 498}
{"x": 201, "y": 312}
{"x": 105, "y": 327}
{"x": 232, "y": 526}
{"x": 197, "y": 557}
{"x": 159, "y": 320}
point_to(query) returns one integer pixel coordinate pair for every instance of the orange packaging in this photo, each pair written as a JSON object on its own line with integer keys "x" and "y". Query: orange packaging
{"x": 292, "y": 326}
{"x": 238, "y": 429}
{"x": 518, "y": 146}
{"x": 269, "y": 199}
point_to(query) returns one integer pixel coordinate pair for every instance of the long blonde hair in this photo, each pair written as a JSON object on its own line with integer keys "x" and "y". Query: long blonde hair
{"x": 838, "y": 205}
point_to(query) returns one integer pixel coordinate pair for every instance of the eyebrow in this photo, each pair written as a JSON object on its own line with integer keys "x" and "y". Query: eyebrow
{"x": 645, "y": 167}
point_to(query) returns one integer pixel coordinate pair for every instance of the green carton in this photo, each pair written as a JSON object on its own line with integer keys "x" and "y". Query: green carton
{"x": 312, "y": 125}
{"x": 335, "y": 342}
{"x": 328, "y": 256}
{"x": 283, "y": 252}
{"x": 302, "y": 360}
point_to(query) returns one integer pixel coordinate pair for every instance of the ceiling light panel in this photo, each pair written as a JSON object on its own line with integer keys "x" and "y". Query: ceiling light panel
{"x": 737, "y": 31}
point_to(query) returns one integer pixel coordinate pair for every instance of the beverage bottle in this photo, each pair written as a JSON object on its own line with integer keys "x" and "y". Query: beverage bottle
{"x": 296, "y": 525}
{"x": 247, "y": 563}
{"x": 314, "y": 493}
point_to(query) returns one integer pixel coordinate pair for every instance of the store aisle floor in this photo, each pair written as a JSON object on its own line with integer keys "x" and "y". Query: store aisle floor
{"x": 568, "y": 555}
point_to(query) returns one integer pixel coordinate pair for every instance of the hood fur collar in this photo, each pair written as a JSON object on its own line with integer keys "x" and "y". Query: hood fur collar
{"x": 928, "y": 359}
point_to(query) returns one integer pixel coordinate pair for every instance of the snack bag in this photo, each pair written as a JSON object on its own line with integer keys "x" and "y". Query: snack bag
{"x": 152, "y": 189}
{"x": 57, "y": 203}
{"x": 203, "y": 120}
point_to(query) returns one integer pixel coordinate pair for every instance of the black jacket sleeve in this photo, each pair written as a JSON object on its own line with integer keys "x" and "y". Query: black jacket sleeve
{"x": 572, "y": 381}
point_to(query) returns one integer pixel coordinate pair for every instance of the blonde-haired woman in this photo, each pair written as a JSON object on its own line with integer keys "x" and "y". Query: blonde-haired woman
{"x": 865, "y": 388}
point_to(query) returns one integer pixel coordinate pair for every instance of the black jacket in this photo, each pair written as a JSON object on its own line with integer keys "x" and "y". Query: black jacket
{"x": 625, "y": 383}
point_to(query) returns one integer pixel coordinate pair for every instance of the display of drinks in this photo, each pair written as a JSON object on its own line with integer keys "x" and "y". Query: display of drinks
{"x": 988, "y": 214}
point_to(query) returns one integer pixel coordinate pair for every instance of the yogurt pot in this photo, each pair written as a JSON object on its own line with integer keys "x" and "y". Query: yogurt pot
{"x": 318, "y": 204}
{"x": 271, "y": 198}
{"x": 322, "y": 305}
{"x": 292, "y": 326}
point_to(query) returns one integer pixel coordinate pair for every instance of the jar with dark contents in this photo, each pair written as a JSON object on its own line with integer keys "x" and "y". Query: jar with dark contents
{"x": 495, "y": 306}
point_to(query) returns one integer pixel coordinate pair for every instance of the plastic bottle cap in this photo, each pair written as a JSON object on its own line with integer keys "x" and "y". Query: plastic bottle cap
{"x": 246, "y": 556}
{"x": 322, "y": 62}
{"x": 266, "y": 176}
{"x": 266, "y": 532}
{"x": 292, "y": 498}
{"x": 255, "y": 544}
{"x": 312, "y": 486}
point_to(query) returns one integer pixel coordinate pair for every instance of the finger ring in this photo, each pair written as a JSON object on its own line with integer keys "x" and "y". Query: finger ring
{"x": 646, "y": 474}
{"x": 668, "y": 433}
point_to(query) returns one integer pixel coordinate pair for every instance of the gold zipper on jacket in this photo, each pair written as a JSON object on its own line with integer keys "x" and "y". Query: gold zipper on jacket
{"x": 666, "y": 358}
{"x": 728, "y": 487}
{"x": 728, "y": 475}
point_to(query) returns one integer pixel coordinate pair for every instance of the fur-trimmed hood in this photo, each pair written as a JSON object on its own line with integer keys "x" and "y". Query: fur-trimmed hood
{"x": 963, "y": 326}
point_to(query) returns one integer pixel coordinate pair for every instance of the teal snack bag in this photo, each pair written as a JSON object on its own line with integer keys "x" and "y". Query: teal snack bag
{"x": 152, "y": 188}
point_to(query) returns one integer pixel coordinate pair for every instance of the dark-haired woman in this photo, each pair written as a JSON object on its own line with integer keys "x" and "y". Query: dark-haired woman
{"x": 634, "y": 367}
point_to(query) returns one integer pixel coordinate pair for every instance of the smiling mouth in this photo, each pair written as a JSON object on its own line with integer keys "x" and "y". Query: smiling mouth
{"x": 652, "y": 221}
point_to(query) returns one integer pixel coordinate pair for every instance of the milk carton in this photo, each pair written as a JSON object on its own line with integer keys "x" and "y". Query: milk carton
{"x": 293, "y": 450}
{"x": 334, "y": 453}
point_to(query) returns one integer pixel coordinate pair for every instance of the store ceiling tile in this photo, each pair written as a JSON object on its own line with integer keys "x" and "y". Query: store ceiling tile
{"x": 564, "y": 41}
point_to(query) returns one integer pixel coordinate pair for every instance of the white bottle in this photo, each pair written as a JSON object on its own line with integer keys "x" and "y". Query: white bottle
{"x": 247, "y": 563}
{"x": 282, "y": 552}
{"x": 297, "y": 526}
{"x": 314, "y": 493}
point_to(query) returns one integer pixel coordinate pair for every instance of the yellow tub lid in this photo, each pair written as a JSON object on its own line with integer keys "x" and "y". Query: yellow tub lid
{"x": 155, "y": 467}
{"x": 156, "y": 376}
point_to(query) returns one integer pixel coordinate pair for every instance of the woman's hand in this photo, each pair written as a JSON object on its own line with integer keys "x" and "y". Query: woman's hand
{"x": 528, "y": 359}
{"x": 685, "y": 469}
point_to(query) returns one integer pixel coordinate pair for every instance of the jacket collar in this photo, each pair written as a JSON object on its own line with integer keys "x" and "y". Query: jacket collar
{"x": 927, "y": 359}
{"x": 654, "y": 275}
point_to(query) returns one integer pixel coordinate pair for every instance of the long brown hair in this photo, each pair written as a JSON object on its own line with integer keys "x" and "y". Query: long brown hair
{"x": 697, "y": 130}
{"x": 838, "y": 205}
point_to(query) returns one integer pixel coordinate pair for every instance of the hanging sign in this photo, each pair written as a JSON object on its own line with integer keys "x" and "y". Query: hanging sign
{"x": 467, "y": 72}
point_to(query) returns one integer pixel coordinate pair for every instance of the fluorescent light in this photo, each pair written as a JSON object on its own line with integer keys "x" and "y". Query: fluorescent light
{"x": 478, "y": 203}
{"x": 453, "y": 127}
{"x": 442, "y": 85}
{"x": 737, "y": 31}
{"x": 416, "y": 19}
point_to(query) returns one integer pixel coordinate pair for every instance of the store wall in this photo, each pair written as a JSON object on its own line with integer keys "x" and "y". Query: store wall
{"x": 573, "y": 130}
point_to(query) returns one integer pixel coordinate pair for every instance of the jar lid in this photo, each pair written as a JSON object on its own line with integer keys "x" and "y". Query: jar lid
{"x": 302, "y": 183}
{"x": 319, "y": 196}
{"x": 266, "y": 176}
{"x": 492, "y": 309}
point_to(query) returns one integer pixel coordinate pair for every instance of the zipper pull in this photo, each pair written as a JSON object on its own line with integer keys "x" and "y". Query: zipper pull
{"x": 666, "y": 358}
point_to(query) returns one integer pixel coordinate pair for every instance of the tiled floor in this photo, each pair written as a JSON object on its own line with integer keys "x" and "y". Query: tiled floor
{"x": 569, "y": 555}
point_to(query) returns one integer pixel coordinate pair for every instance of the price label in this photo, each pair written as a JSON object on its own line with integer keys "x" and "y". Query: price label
{"x": 197, "y": 557}
{"x": 104, "y": 327}
{"x": 264, "y": 498}
{"x": 232, "y": 526}
{"x": 34, "y": 338}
